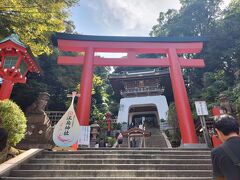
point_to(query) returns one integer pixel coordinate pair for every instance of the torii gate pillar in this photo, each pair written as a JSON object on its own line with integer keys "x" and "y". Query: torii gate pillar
{"x": 186, "y": 124}
{"x": 84, "y": 103}
{"x": 171, "y": 47}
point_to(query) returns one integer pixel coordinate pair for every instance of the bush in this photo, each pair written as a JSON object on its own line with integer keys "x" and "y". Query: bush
{"x": 13, "y": 120}
{"x": 174, "y": 137}
{"x": 110, "y": 141}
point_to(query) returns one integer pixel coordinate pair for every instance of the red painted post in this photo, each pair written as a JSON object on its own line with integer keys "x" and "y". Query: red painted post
{"x": 84, "y": 102}
{"x": 181, "y": 100}
{"x": 6, "y": 89}
{"x": 109, "y": 125}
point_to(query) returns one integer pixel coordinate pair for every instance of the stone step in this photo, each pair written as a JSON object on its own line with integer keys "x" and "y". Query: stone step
{"x": 117, "y": 164}
{"x": 111, "y": 173}
{"x": 119, "y": 161}
{"x": 32, "y": 166}
{"x": 107, "y": 178}
{"x": 132, "y": 151}
{"x": 124, "y": 156}
{"x": 158, "y": 143}
{"x": 155, "y": 140}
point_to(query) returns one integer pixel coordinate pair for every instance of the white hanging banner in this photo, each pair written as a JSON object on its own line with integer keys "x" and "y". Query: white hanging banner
{"x": 66, "y": 131}
{"x": 84, "y": 135}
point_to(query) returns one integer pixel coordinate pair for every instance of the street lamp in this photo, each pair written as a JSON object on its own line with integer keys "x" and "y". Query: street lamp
{"x": 15, "y": 62}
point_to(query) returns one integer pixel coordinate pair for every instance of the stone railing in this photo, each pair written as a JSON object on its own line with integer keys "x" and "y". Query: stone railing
{"x": 55, "y": 116}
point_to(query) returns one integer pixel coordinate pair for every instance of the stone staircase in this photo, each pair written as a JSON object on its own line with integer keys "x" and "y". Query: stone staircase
{"x": 156, "y": 140}
{"x": 117, "y": 164}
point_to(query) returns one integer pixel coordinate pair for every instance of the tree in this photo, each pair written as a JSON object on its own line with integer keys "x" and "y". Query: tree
{"x": 196, "y": 17}
{"x": 57, "y": 80}
{"x": 174, "y": 136}
{"x": 13, "y": 120}
{"x": 100, "y": 98}
{"x": 221, "y": 52}
{"x": 34, "y": 21}
{"x": 165, "y": 21}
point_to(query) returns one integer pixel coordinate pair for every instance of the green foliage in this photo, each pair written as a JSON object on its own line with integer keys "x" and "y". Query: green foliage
{"x": 165, "y": 20}
{"x": 236, "y": 95}
{"x": 100, "y": 98}
{"x": 116, "y": 126}
{"x": 196, "y": 17}
{"x": 236, "y": 91}
{"x": 214, "y": 85}
{"x": 57, "y": 80}
{"x": 111, "y": 141}
{"x": 174, "y": 136}
{"x": 221, "y": 52}
{"x": 13, "y": 120}
{"x": 172, "y": 116}
{"x": 34, "y": 21}
{"x": 237, "y": 102}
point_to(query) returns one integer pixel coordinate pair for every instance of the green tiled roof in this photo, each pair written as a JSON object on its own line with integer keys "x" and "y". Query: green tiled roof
{"x": 14, "y": 38}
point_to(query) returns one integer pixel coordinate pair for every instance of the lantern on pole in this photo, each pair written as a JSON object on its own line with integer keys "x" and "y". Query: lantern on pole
{"x": 16, "y": 61}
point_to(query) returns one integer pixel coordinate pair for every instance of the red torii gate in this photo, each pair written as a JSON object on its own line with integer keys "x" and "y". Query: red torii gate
{"x": 133, "y": 46}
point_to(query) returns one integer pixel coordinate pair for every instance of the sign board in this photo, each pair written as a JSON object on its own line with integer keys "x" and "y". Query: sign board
{"x": 84, "y": 138}
{"x": 66, "y": 131}
{"x": 201, "y": 108}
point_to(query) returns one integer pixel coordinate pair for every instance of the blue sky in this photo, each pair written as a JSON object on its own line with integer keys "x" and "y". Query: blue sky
{"x": 119, "y": 17}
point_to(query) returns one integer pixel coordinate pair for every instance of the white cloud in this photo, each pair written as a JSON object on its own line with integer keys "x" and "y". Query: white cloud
{"x": 225, "y": 3}
{"x": 129, "y": 17}
{"x": 123, "y": 17}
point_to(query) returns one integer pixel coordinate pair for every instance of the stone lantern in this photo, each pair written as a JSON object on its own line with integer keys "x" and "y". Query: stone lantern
{"x": 16, "y": 61}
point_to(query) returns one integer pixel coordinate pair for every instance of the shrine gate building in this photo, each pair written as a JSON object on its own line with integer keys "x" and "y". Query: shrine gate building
{"x": 144, "y": 94}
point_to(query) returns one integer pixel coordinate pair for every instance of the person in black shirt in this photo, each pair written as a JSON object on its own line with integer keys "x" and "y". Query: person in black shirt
{"x": 224, "y": 166}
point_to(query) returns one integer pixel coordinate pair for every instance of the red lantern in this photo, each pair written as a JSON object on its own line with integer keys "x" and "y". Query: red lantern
{"x": 15, "y": 62}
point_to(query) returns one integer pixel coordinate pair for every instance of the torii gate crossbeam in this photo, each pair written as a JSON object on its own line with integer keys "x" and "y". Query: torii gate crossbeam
{"x": 133, "y": 46}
